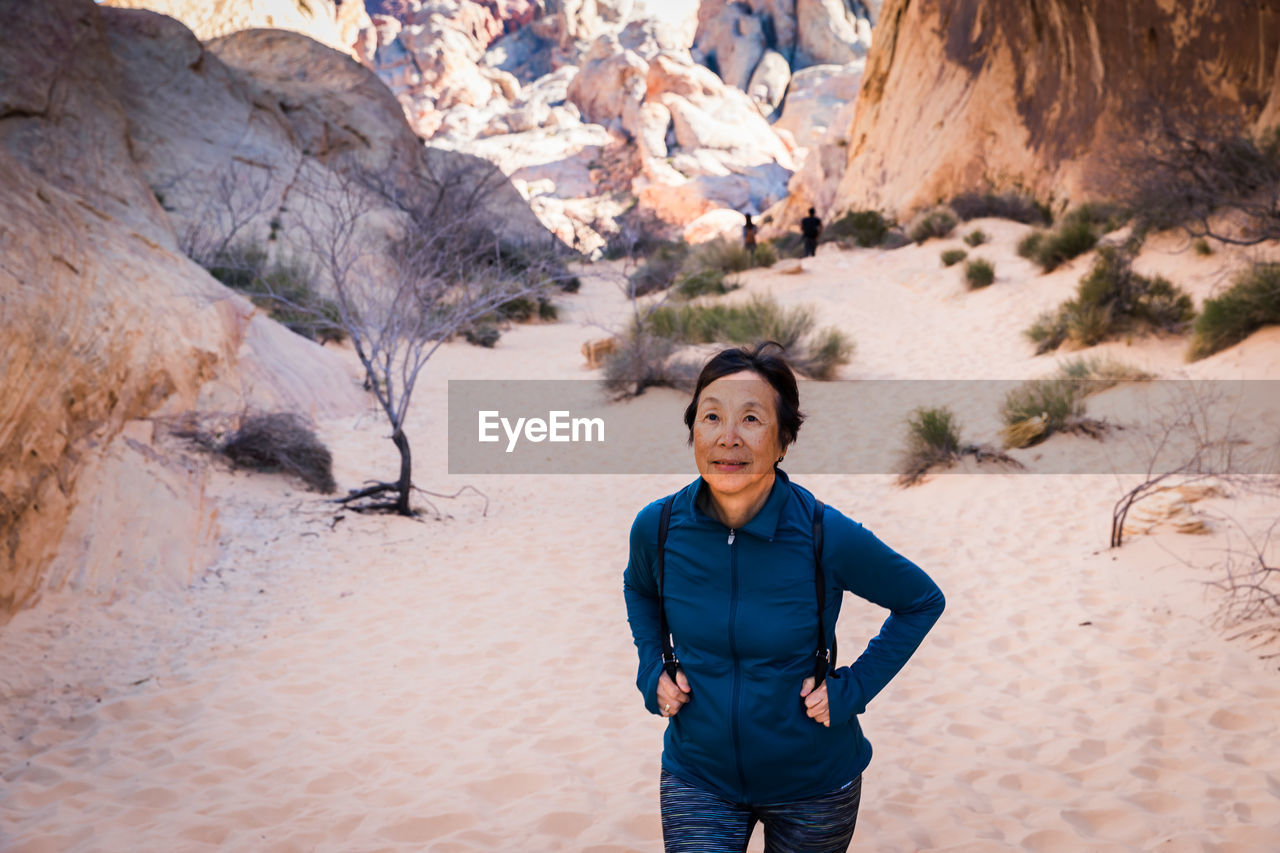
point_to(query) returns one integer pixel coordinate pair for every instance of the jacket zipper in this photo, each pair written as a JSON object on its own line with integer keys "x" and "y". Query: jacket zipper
{"x": 734, "y": 726}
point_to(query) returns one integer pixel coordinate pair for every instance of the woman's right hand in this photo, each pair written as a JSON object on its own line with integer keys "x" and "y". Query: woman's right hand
{"x": 672, "y": 694}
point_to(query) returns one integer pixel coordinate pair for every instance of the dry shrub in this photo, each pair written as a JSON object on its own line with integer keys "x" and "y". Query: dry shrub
{"x": 282, "y": 441}
{"x": 1252, "y": 301}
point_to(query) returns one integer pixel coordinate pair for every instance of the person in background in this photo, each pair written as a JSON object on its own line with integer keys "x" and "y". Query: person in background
{"x": 810, "y": 228}
{"x": 745, "y": 570}
{"x": 749, "y": 237}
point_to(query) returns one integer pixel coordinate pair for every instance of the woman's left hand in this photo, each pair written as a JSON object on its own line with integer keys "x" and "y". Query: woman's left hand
{"x": 815, "y": 702}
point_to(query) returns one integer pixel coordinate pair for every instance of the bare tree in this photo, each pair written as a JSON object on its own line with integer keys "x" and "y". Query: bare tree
{"x": 1191, "y": 168}
{"x": 410, "y": 266}
{"x": 1194, "y": 440}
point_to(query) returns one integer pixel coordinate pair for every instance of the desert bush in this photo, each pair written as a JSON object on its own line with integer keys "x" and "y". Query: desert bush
{"x": 1038, "y": 408}
{"x": 1111, "y": 298}
{"x": 815, "y": 353}
{"x": 644, "y": 360}
{"x": 895, "y": 238}
{"x": 703, "y": 282}
{"x": 1252, "y": 301}
{"x": 975, "y": 238}
{"x": 1193, "y": 164}
{"x": 1053, "y": 248}
{"x": 284, "y": 290}
{"x": 766, "y": 255}
{"x": 933, "y": 440}
{"x": 979, "y": 273}
{"x": 482, "y": 334}
{"x": 1029, "y": 245}
{"x": 660, "y": 267}
{"x": 1014, "y": 205}
{"x": 865, "y": 228}
{"x": 282, "y": 441}
{"x": 1201, "y": 247}
{"x": 951, "y": 257}
{"x": 938, "y": 222}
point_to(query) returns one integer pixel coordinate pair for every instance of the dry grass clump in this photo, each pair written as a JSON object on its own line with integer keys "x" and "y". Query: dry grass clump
{"x": 1201, "y": 247}
{"x": 933, "y": 441}
{"x": 1036, "y": 409}
{"x": 650, "y": 352}
{"x": 951, "y": 257}
{"x": 1252, "y": 301}
{"x": 975, "y": 238}
{"x": 282, "y": 441}
{"x": 979, "y": 273}
{"x": 938, "y": 222}
{"x": 865, "y": 228}
{"x": 700, "y": 268}
{"x": 1111, "y": 299}
{"x": 1014, "y": 205}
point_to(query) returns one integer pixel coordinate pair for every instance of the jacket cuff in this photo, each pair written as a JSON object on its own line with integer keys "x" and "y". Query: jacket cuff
{"x": 845, "y": 697}
{"x": 648, "y": 684}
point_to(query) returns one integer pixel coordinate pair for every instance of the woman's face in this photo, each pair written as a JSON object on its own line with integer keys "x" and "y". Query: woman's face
{"x": 735, "y": 433}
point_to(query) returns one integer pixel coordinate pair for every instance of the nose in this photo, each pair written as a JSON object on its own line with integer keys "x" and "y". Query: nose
{"x": 729, "y": 436}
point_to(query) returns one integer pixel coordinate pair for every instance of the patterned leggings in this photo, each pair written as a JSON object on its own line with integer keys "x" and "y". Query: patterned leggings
{"x": 696, "y": 821}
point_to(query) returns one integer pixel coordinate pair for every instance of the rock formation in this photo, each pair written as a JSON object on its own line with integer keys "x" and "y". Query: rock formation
{"x": 979, "y": 93}
{"x": 117, "y": 127}
{"x": 336, "y": 23}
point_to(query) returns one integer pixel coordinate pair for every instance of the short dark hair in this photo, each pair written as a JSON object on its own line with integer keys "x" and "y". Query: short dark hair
{"x": 811, "y": 211}
{"x": 768, "y": 361}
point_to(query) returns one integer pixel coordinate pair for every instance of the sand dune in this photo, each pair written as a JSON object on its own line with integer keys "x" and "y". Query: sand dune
{"x": 341, "y": 682}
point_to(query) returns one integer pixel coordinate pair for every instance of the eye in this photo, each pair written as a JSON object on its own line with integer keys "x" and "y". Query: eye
{"x": 752, "y": 418}
{"x": 711, "y": 416}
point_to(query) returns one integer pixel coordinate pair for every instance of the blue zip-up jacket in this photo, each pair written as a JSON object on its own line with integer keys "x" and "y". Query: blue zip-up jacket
{"x": 743, "y": 611}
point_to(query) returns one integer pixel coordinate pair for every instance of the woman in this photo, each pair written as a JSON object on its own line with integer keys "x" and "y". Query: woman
{"x": 756, "y": 732}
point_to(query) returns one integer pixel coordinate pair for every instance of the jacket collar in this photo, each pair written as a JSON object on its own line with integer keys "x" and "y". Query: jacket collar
{"x": 765, "y": 522}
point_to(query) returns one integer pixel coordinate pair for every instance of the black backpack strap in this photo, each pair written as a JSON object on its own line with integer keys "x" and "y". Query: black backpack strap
{"x": 823, "y": 658}
{"x": 669, "y": 662}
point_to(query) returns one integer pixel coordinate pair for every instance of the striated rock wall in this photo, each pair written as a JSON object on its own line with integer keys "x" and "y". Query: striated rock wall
{"x": 967, "y": 94}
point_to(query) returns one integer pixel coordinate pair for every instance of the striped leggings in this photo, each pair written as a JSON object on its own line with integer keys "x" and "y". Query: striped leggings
{"x": 696, "y": 821}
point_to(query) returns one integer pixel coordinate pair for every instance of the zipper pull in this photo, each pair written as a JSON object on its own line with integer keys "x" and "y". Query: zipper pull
{"x": 731, "y": 535}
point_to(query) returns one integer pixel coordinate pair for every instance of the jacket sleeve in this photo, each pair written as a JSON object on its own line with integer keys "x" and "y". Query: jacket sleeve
{"x": 640, "y": 590}
{"x": 862, "y": 564}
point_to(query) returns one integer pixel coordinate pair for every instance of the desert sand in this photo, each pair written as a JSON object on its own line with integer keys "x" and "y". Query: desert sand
{"x": 346, "y": 682}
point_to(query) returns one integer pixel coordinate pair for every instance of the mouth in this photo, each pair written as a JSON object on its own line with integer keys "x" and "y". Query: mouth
{"x": 728, "y": 466}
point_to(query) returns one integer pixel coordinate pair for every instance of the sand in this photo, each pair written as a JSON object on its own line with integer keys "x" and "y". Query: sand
{"x": 465, "y": 682}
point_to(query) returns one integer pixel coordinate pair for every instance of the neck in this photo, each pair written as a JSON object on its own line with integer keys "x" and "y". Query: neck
{"x": 737, "y": 509}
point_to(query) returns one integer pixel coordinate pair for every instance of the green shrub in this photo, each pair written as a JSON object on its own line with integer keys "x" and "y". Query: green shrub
{"x": 1201, "y": 247}
{"x": 1056, "y": 247}
{"x": 1111, "y": 298}
{"x": 1014, "y": 205}
{"x": 895, "y": 238}
{"x": 975, "y": 238}
{"x": 1252, "y": 301}
{"x": 951, "y": 257}
{"x": 482, "y": 334}
{"x": 1029, "y": 245}
{"x": 938, "y": 222}
{"x": 865, "y": 228}
{"x": 979, "y": 273}
{"x": 1038, "y": 408}
{"x": 1092, "y": 374}
{"x": 933, "y": 440}
{"x": 282, "y": 441}
{"x": 1048, "y": 331}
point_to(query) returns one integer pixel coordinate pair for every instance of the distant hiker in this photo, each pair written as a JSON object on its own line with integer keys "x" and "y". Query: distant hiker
{"x": 810, "y": 228}
{"x": 749, "y": 237}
